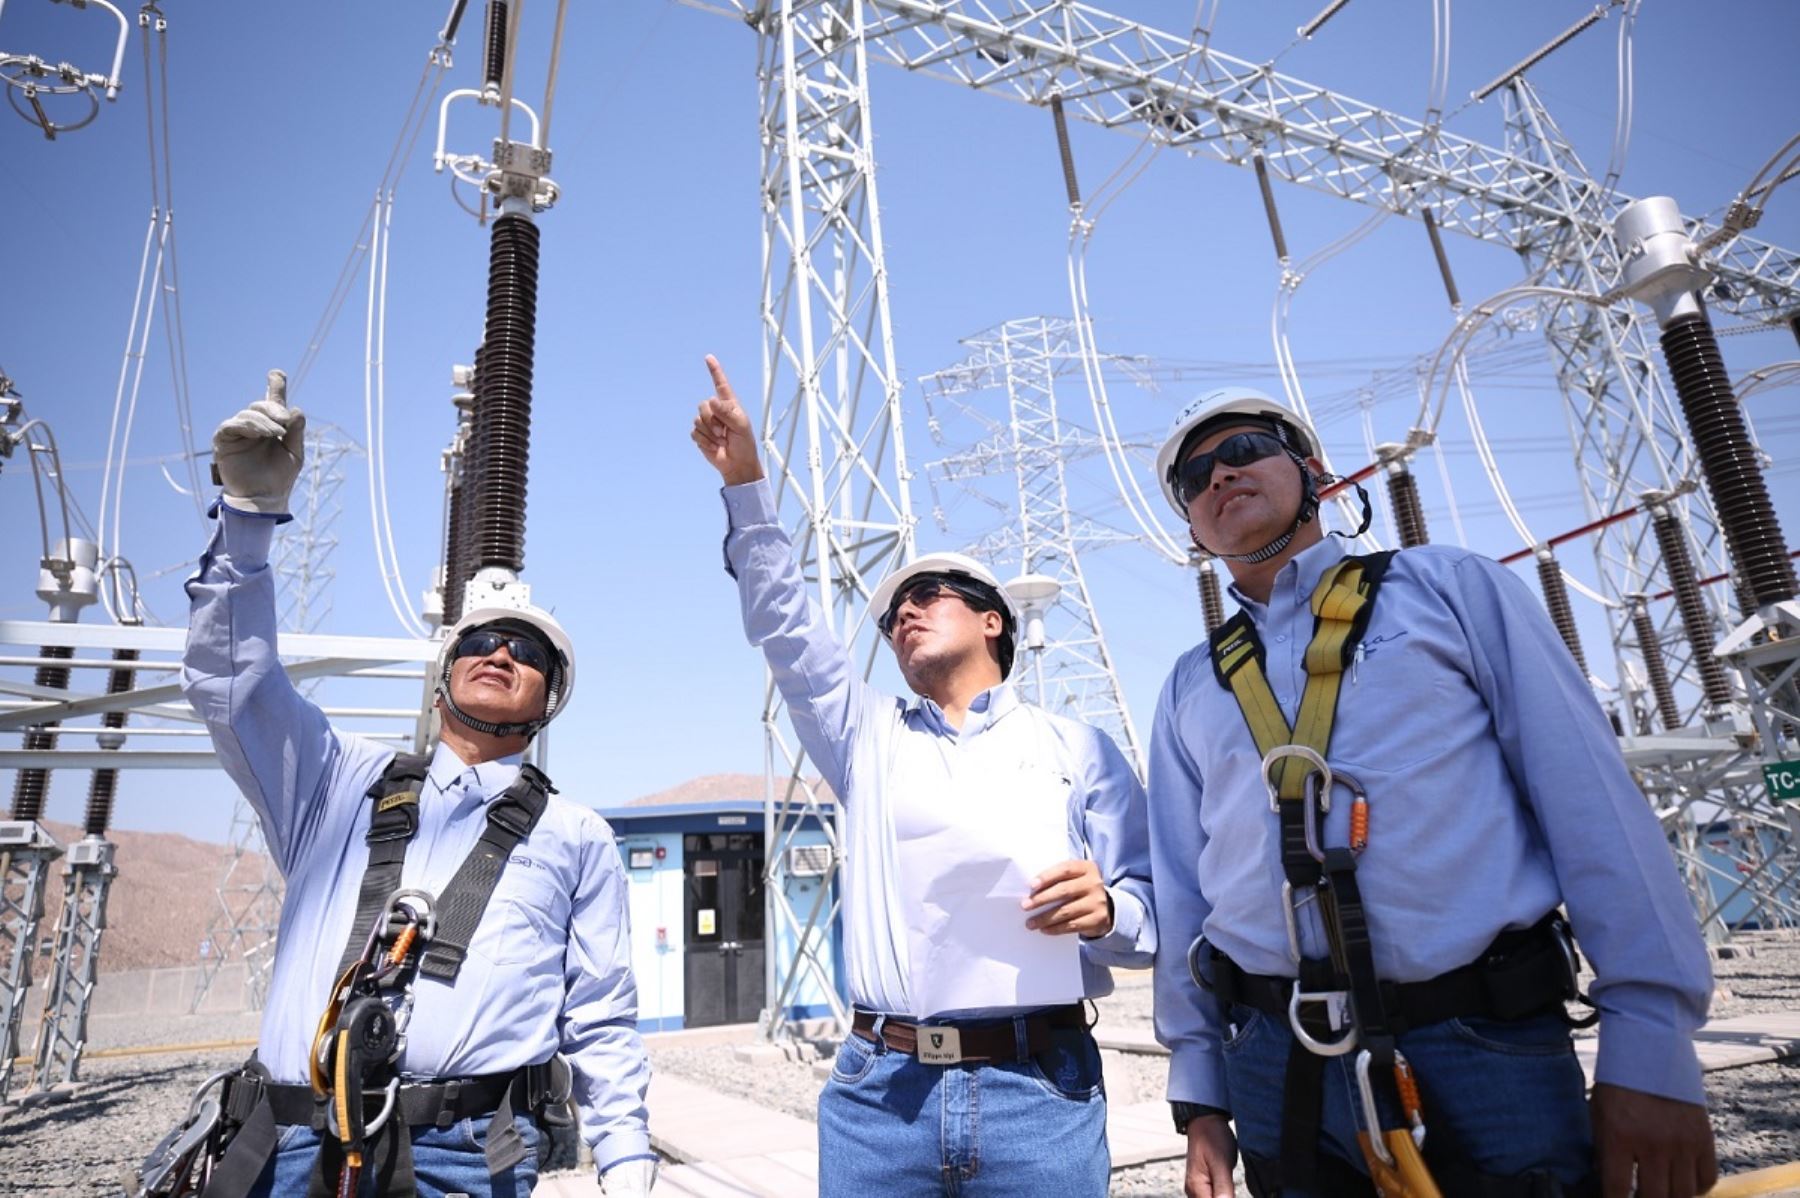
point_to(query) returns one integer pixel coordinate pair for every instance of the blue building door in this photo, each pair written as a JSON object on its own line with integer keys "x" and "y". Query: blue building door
{"x": 723, "y": 909}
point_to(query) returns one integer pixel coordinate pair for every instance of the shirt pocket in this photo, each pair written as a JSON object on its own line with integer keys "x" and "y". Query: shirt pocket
{"x": 527, "y": 919}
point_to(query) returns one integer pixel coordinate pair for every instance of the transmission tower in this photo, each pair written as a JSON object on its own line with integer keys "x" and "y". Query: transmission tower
{"x": 250, "y": 889}
{"x": 1072, "y": 672}
{"x": 831, "y": 418}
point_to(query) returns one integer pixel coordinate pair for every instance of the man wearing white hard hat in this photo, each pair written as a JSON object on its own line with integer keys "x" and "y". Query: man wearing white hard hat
{"x": 453, "y": 963}
{"x": 1380, "y": 795}
{"x": 995, "y": 866}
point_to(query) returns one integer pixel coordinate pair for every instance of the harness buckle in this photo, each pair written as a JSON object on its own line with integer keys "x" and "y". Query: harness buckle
{"x": 410, "y": 907}
{"x": 1337, "y": 1017}
{"x": 1311, "y": 756}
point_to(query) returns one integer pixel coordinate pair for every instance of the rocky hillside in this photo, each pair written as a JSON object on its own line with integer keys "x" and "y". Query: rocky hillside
{"x": 163, "y": 899}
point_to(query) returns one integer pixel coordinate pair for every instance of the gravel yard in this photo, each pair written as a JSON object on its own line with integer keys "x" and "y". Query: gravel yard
{"x": 84, "y": 1146}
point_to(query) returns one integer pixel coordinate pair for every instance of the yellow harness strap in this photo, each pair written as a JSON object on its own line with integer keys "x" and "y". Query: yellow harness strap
{"x": 1340, "y": 598}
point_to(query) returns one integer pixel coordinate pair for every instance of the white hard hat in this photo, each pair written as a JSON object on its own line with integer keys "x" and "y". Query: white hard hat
{"x": 512, "y": 605}
{"x": 1217, "y": 408}
{"x": 952, "y": 563}
{"x": 939, "y": 563}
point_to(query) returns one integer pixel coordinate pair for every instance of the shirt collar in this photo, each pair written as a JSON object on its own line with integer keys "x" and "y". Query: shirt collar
{"x": 986, "y": 708}
{"x": 490, "y": 777}
{"x": 1301, "y": 574}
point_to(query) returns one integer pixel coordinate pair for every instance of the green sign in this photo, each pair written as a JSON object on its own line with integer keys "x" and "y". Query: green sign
{"x": 1783, "y": 780}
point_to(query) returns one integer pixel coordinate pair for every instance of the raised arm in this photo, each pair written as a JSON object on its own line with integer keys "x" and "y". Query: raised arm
{"x": 275, "y": 744}
{"x": 827, "y": 699}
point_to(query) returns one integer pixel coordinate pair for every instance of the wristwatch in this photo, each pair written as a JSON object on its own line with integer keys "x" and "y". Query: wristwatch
{"x": 1186, "y": 1112}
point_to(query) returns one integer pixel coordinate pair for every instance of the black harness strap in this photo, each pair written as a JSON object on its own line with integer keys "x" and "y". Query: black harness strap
{"x": 392, "y": 825}
{"x": 510, "y": 819}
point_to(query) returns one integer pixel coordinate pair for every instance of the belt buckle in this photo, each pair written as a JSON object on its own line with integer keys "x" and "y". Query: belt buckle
{"x": 938, "y": 1045}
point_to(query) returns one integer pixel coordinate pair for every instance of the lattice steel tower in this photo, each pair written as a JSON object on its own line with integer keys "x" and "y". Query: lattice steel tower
{"x": 830, "y": 416}
{"x": 1072, "y": 674}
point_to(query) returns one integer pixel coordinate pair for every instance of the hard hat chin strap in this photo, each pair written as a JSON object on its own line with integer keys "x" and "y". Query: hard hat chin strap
{"x": 1309, "y": 507}
{"x": 528, "y": 728}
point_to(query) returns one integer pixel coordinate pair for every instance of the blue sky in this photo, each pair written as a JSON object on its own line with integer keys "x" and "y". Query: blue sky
{"x": 282, "y": 118}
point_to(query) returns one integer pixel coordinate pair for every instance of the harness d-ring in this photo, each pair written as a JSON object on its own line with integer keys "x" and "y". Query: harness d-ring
{"x": 1333, "y": 1000}
{"x": 1312, "y": 757}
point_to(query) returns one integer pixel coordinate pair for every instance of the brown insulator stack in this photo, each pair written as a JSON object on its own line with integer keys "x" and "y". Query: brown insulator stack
{"x": 1212, "y": 603}
{"x": 1556, "y": 598}
{"x": 1678, "y": 565}
{"x": 1409, "y": 512}
{"x": 1728, "y": 459}
{"x": 502, "y": 427}
{"x": 494, "y": 58}
{"x": 30, "y": 786}
{"x": 1656, "y": 671}
{"x": 106, "y": 782}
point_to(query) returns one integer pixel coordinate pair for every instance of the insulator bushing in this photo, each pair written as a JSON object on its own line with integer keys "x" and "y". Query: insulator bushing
{"x": 1556, "y": 599}
{"x": 494, "y": 61}
{"x": 1212, "y": 603}
{"x": 1065, "y": 150}
{"x": 30, "y": 786}
{"x": 1678, "y": 565}
{"x": 1656, "y": 671}
{"x": 1409, "y": 512}
{"x": 502, "y": 427}
{"x": 1728, "y": 459}
{"x": 456, "y": 536}
{"x": 105, "y": 783}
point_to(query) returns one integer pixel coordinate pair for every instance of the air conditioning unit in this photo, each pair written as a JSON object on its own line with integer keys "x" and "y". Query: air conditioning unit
{"x": 808, "y": 860}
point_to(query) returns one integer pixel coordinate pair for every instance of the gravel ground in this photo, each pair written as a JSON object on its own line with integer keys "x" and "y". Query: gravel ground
{"x": 84, "y": 1146}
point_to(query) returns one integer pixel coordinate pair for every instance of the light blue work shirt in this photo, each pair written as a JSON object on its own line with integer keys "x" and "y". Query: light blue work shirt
{"x": 1496, "y": 792}
{"x": 549, "y": 968}
{"x": 886, "y": 756}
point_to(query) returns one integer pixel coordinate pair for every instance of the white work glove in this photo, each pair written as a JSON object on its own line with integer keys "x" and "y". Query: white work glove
{"x": 629, "y": 1179}
{"x": 257, "y": 453}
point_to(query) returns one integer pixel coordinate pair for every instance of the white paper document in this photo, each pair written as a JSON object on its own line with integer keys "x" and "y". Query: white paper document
{"x": 969, "y": 869}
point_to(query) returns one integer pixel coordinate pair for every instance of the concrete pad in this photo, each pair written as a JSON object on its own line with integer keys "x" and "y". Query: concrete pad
{"x": 692, "y": 1123}
{"x": 1140, "y": 1133}
{"x": 572, "y": 1186}
{"x": 711, "y": 1181}
{"x": 758, "y": 1056}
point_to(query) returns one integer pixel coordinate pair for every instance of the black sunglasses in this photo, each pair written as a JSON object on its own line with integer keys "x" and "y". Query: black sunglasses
{"x": 927, "y": 590}
{"x": 1193, "y": 476}
{"x": 484, "y": 642}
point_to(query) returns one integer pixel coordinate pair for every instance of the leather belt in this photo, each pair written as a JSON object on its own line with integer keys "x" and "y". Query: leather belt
{"x": 987, "y": 1040}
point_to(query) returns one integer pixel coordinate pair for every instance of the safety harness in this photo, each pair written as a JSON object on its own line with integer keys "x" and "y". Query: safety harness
{"x": 1337, "y": 1004}
{"x": 355, "y": 1097}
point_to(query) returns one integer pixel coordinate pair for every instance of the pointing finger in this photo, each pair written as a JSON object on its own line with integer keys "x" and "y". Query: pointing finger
{"x": 277, "y": 391}
{"x": 721, "y": 384}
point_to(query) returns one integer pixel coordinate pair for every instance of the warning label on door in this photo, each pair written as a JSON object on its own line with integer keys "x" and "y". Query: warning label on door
{"x": 706, "y": 922}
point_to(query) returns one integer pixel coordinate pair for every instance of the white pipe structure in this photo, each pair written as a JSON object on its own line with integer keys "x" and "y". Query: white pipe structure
{"x": 375, "y": 421}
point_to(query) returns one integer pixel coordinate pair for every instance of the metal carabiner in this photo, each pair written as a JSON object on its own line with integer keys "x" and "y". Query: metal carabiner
{"x": 1310, "y": 756}
{"x": 1336, "y": 1002}
{"x": 390, "y": 1099}
{"x": 413, "y": 906}
{"x": 1365, "y": 1092}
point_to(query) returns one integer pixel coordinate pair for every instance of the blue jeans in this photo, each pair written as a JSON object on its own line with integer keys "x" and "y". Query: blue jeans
{"x": 1035, "y": 1129}
{"x": 1510, "y": 1096}
{"x": 445, "y": 1161}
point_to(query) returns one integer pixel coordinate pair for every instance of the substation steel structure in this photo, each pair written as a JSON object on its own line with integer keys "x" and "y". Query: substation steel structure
{"x": 832, "y": 427}
{"x": 1071, "y": 671}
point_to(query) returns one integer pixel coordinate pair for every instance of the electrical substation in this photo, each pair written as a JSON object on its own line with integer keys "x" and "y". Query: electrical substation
{"x": 1666, "y": 563}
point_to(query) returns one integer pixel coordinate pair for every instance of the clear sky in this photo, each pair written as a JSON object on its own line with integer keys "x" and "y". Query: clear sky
{"x": 281, "y": 120}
